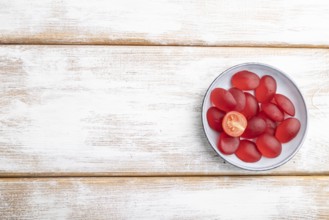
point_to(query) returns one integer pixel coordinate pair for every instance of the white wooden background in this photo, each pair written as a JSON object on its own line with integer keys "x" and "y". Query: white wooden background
{"x": 100, "y": 108}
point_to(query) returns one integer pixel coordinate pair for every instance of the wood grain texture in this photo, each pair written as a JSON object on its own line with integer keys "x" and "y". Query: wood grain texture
{"x": 210, "y": 22}
{"x": 86, "y": 110}
{"x": 165, "y": 198}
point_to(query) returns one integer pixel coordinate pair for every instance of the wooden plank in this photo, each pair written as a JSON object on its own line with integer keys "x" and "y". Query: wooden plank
{"x": 85, "y": 110}
{"x": 210, "y": 22}
{"x": 165, "y": 198}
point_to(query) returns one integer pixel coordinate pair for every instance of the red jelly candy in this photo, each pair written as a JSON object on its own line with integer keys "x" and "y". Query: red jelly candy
{"x": 270, "y": 125}
{"x": 268, "y": 145}
{"x": 248, "y": 152}
{"x": 287, "y": 130}
{"x": 285, "y": 104}
{"x": 251, "y": 108}
{"x": 273, "y": 101}
{"x": 255, "y": 127}
{"x": 245, "y": 80}
{"x": 272, "y": 111}
{"x": 215, "y": 118}
{"x": 227, "y": 144}
{"x": 222, "y": 99}
{"x": 266, "y": 89}
{"x": 239, "y": 97}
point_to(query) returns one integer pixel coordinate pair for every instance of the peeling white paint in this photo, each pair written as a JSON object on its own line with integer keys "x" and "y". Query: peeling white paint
{"x": 133, "y": 109}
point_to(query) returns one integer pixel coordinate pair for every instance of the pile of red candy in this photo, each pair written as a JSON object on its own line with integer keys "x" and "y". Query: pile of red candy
{"x": 252, "y": 126}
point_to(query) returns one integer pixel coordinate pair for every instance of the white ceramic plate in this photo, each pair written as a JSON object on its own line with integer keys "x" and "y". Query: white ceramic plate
{"x": 286, "y": 87}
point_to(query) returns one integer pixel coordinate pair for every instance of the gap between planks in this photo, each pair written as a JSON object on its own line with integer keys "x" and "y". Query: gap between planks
{"x": 65, "y": 176}
{"x": 283, "y": 46}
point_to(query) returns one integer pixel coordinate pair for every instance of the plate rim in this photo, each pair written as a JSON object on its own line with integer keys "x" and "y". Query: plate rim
{"x": 304, "y": 103}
